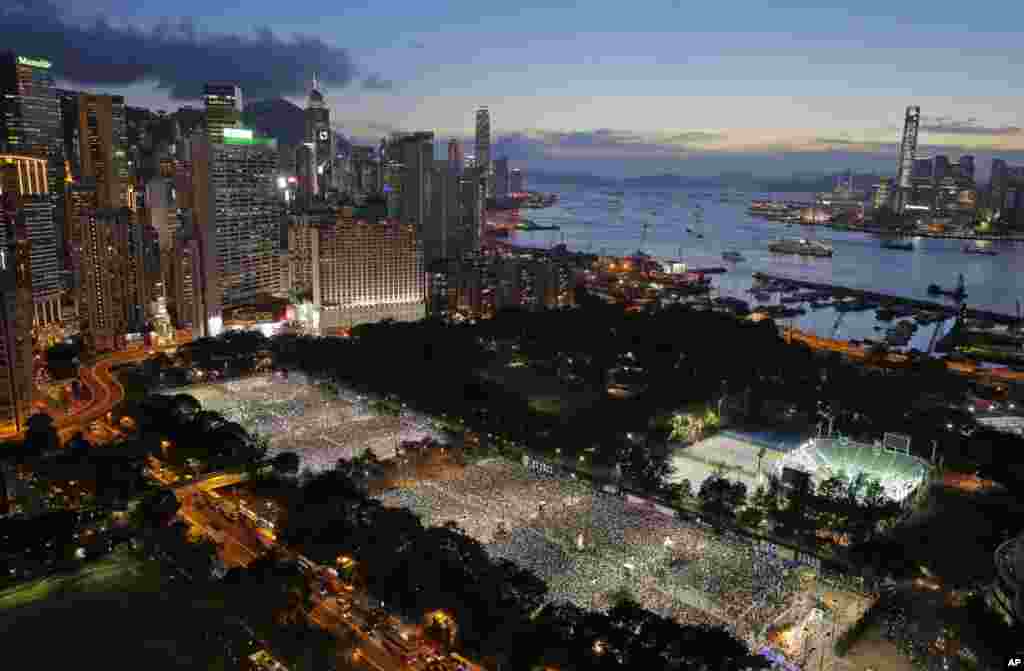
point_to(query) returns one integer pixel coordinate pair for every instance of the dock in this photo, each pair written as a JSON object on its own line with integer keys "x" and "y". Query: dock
{"x": 985, "y": 315}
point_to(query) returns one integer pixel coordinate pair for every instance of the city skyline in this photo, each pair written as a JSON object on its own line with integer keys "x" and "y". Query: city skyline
{"x": 714, "y": 91}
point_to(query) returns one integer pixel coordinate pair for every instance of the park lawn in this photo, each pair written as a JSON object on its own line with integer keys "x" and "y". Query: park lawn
{"x": 112, "y": 614}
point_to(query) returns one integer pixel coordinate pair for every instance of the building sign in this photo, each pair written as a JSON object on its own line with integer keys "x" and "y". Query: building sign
{"x": 237, "y": 133}
{"x": 34, "y": 62}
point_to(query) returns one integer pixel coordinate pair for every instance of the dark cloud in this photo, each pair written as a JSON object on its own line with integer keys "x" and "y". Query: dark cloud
{"x": 970, "y": 126}
{"x": 177, "y": 56}
{"x": 377, "y": 83}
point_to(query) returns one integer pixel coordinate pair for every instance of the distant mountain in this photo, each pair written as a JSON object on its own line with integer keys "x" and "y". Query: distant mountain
{"x": 285, "y": 121}
{"x": 278, "y": 118}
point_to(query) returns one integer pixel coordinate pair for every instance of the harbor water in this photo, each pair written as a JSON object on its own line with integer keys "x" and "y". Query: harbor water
{"x": 697, "y": 225}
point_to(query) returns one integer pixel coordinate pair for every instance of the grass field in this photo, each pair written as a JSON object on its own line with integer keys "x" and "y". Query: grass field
{"x": 112, "y": 614}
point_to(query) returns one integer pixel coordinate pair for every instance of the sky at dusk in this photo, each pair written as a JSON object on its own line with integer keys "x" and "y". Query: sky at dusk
{"x": 615, "y": 88}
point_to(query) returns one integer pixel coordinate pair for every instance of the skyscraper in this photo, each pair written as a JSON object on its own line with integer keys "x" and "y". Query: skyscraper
{"x": 908, "y": 151}
{"x": 223, "y": 109}
{"x": 455, "y": 155}
{"x": 100, "y": 131}
{"x": 26, "y": 177}
{"x": 415, "y": 153}
{"x": 517, "y": 182}
{"x": 30, "y": 126}
{"x": 998, "y": 182}
{"x": 320, "y": 135}
{"x": 16, "y": 385}
{"x": 483, "y": 144}
{"x": 500, "y": 177}
{"x": 439, "y": 234}
{"x": 238, "y": 213}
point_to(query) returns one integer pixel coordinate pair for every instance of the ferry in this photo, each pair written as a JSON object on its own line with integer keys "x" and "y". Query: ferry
{"x": 984, "y": 251}
{"x": 800, "y": 246}
{"x": 732, "y": 255}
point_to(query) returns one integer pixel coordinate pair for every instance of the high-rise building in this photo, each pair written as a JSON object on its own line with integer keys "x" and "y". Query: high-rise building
{"x": 483, "y": 145}
{"x": 415, "y": 154}
{"x": 16, "y": 305}
{"x": 321, "y": 137}
{"x": 365, "y": 171}
{"x": 237, "y": 214}
{"x": 471, "y": 216}
{"x": 907, "y": 154}
{"x": 455, "y": 155}
{"x": 223, "y": 109}
{"x": 439, "y": 235}
{"x": 30, "y": 126}
{"x": 26, "y": 177}
{"x": 500, "y": 177}
{"x": 30, "y": 114}
{"x": 359, "y": 266}
{"x": 998, "y": 182}
{"x": 102, "y": 293}
{"x": 967, "y": 168}
{"x": 883, "y": 193}
{"x": 516, "y": 181}
{"x": 100, "y": 154}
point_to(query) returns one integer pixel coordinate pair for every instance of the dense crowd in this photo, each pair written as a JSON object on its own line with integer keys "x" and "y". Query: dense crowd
{"x": 588, "y": 546}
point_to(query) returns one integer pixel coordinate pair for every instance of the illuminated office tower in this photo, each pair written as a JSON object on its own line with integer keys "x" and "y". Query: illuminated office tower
{"x": 321, "y": 137}
{"x": 30, "y": 126}
{"x": 26, "y": 178}
{"x": 101, "y": 293}
{"x": 30, "y": 115}
{"x": 908, "y": 151}
{"x": 223, "y": 109}
{"x": 100, "y": 155}
{"x": 483, "y": 145}
{"x": 16, "y": 304}
{"x": 238, "y": 220}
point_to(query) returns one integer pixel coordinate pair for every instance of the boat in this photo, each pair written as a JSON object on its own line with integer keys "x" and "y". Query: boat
{"x": 984, "y": 251}
{"x": 896, "y": 244}
{"x": 700, "y": 235}
{"x": 800, "y": 246}
{"x": 733, "y": 255}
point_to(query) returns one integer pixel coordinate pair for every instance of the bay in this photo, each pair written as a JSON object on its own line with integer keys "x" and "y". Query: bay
{"x": 610, "y": 220}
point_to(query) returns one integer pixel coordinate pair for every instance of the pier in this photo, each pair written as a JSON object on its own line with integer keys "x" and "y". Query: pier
{"x": 985, "y": 315}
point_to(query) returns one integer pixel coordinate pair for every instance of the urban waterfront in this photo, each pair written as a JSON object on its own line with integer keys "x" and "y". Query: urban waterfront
{"x": 611, "y": 220}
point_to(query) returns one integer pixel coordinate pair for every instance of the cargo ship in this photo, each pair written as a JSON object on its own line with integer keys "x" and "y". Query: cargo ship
{"x": 800, "y": 246}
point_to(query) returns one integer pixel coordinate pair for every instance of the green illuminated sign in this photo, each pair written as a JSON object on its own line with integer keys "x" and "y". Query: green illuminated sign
{"x": 34, "y": 62}
{"x": 237, "y": 133}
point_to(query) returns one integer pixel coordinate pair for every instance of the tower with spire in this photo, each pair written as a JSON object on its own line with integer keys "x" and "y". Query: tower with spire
{"x": 320, "y": 138}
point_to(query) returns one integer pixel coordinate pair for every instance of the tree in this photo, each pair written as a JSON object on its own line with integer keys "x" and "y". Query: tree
{"x": 286, "y": 463}
{"x": 40, "y": 436}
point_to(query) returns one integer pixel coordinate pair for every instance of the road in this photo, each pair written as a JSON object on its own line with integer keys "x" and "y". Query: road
{"x": 896, "y": 359}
